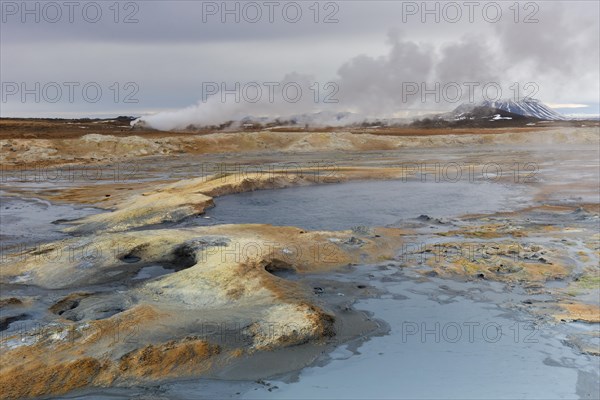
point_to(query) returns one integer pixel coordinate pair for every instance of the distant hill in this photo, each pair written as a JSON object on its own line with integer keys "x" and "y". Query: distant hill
{"x": 506, "y": 109}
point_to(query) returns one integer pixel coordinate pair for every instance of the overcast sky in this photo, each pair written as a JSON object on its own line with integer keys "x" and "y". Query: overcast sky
{"x": 156, "y": 56}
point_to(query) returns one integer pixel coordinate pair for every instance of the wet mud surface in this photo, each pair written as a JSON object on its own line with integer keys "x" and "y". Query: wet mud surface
{"x": 396, "y": 278}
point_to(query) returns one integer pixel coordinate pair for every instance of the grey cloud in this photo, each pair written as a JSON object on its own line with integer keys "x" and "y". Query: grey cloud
{"x": 170, "y": 52}
{"x": 565, "y": 38}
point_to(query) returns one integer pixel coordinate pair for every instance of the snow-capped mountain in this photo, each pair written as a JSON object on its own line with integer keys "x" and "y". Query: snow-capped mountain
{"x": 527, "y": 107}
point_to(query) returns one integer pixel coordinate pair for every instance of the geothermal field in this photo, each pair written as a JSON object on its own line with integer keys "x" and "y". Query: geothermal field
{"x": 300, "y": 264}
{"x": 300, "y": 200}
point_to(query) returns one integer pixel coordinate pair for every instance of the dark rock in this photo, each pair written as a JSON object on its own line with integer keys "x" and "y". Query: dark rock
{"x": 354, "y": 241}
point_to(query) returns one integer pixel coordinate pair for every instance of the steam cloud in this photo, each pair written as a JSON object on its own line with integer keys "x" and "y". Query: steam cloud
{"x": 377, "y": 87}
